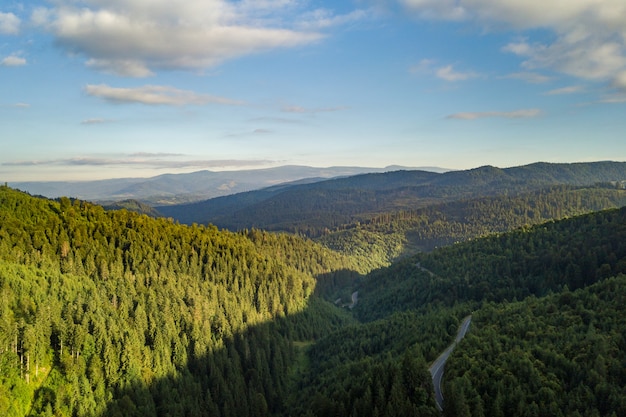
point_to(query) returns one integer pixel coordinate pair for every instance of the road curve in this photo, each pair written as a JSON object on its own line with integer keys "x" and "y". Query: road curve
{"x": 436, "y": 369}
{"x": 355, "y": 299}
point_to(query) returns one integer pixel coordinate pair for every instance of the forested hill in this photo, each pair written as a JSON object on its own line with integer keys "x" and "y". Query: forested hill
{"x": 536, "y": 261}
{"x": 381, "y": 217}
{"x": 117, "y": 313}
{"x": 548, "y": 336}
{"x": 311, "y": 208}
{"x": 389, "y": 236}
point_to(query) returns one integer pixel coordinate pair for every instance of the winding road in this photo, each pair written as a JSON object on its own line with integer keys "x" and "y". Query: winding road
{"x": 355, "y": 299}
{"x": 436, "y": 369}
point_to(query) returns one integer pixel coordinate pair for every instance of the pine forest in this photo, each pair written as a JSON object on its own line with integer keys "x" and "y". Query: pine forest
{"x": 110, "y": 312}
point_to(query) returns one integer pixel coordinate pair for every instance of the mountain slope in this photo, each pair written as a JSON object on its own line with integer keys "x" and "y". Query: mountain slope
{"x": 182, "y": 188}
{"x": 530, "y": 261}
{"x": 328, "y": 204}
{"x": 115, "y": 313}
{"x": 558, "y": 355}
{"x": 388, "y": 236}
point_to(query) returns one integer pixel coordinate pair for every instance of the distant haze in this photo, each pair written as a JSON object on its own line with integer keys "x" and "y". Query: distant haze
{"x": 179, "y": 188}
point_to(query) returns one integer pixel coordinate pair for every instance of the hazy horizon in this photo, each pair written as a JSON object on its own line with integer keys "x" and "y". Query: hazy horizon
{"x": 94, "y": 89}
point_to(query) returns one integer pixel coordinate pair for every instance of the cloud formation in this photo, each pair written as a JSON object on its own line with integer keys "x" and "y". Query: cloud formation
{"x": 529, "y": 77}
{"x": 154, "y": 95}
{"x": 16, "y": 105}
{"x": 449, "y": 74}
{"x": 9, "y": 24}
{"x": 438, "y": 9}
{"x": 446, "y": 72}
{"x": 13, "y": 61}
{"x": 324, "y": 18}
{"x": 516, "y": 114}
{"x": 155, "y": 161}
{"x": 589, "y": 41}
{"x": 565, "y": 90}
{"x": 134, "y": 38}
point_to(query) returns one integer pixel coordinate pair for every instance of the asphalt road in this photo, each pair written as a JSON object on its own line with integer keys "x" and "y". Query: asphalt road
{"x": 436, "y": 369}
{"x": 355, "y": 299}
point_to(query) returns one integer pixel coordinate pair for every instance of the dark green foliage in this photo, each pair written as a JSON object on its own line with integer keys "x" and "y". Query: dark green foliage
{"x": 134, "y": 205}
{"x": 562, "y": 355}
{"x": 533, "y": 260}
{"x": 388, "y": 236}
{"x": 115, "y": 313}
{"x": 312, "y": 209}
{"x": 380, "y": 217}
{"x": 376, "y": 368}
{"x": 558, "y": 355}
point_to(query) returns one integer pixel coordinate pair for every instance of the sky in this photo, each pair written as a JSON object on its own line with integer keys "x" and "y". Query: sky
{"x": 94, "y": 89}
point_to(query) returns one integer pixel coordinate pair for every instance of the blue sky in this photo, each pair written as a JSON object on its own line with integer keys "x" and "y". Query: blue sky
{"x": 132, "y": 88}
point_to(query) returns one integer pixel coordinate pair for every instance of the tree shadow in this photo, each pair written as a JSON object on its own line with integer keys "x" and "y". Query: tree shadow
{"x": 249, "y": 375}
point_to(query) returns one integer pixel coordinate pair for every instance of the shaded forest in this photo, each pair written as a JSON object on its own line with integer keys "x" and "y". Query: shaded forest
{"x": 311, "y": 209}
{"x": 380, "y": 217}
{"x": 562, "y": 355}
{"x": 386, "y": 237}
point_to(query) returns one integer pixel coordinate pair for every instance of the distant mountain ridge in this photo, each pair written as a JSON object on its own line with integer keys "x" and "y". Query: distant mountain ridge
{"x": 338, "y": 201}
{"x": 183, "y": 188}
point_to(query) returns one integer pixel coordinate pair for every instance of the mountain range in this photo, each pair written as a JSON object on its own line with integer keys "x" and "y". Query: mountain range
{"x": 182, "y": 188}
{"x": 362, "y": 197}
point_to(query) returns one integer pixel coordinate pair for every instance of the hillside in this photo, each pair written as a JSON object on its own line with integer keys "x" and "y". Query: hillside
{"x": 557, "y": 352}
{"x": 380, "y": 217}
{"x": 113, "y": 313}
{"x": 311, "y": 208}
{"x": 387, "y": 237}
{"x": 97, "y": 302}
{"x": 562, "y": 355}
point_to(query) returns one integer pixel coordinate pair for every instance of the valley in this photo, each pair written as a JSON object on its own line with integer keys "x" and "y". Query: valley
{"x": 333, "y": 297}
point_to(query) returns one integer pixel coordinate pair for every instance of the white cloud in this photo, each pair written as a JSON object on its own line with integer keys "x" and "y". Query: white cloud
{"x": 9, "y": 24}
{"x": 614, "y": 99}
{"x": 137, "y": 37}
{"x": 589, "y": 35}
{"x": 12, "y": 61}
{"x": 590, "y": 58}
{"x": 437, "y": 9}
{"x": 619, "y": 81}
{"x": 449, "y": 74}
{"x": 324, "y": 18}
{"x": 154, "y": 95}
{"x": 516, "y": 114}
{"x": 565, "y": 90}
{"x": 156, "y": 161}
{"x": 529, "y": 77}
{"x": 123, "y": 67}
{"x": 424, "y": 66}
{"x": 21, "y": 105}
{"x": 518, "y": 48}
